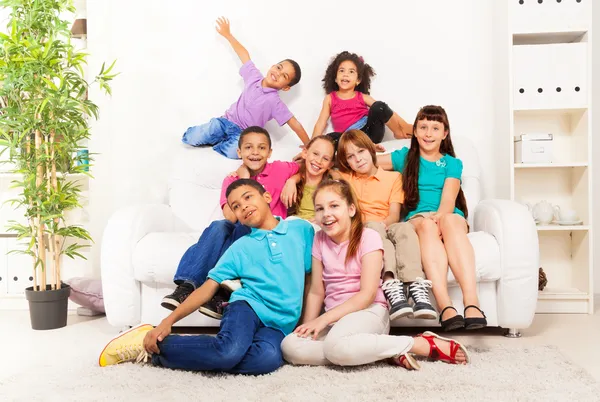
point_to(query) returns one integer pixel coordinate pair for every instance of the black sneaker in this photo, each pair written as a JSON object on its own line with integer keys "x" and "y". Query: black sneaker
{"x": 173, "y": 300}
{"x": 214, "y": 307}
{"x": 394, "y": 293}
{"x": 419, "y": 292}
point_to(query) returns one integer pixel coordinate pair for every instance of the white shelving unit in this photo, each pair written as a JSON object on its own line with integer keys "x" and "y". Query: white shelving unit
{"x": 550, "y": 76}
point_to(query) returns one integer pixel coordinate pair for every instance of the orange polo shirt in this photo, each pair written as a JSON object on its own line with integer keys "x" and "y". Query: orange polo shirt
{"x": 376, "y": 193}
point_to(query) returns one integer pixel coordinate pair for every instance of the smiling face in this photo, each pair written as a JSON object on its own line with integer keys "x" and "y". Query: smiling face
{"x": 255, "y": 152}
{"x": 318, "y": 157}
{"x": 360, "y": 160}
{"x": 429, "y": 134}
{"x": 347, "y": 75}
{"x": 250, "y": 207}
{"x": 280, "y": 76}
{"x": 333, "y": 214}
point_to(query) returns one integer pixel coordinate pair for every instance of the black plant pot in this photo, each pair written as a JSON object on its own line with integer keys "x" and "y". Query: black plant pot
{"x": 48, "y": 310}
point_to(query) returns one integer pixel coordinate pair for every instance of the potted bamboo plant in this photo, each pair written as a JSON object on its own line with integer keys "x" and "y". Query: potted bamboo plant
{"x": 43, "y": 125}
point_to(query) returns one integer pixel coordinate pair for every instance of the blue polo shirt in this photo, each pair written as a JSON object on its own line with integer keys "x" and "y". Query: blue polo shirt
{"x": 432, "y": 176}
{"x": 271, "y": 265}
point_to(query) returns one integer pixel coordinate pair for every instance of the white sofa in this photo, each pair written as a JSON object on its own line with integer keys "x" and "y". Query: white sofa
{"x": 142, "y": 245}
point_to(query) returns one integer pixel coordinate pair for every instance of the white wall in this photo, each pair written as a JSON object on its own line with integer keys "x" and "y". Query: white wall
{"x": 176, "y": 71}
{"x": 596, "y": 142}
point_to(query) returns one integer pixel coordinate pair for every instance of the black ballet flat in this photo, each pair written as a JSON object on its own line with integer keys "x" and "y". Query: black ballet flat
{"x": 475, "y": 322}
{"x": 453, "y": 323}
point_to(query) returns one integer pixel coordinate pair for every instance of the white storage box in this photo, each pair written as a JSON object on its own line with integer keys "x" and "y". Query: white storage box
{"x": 533, "y": 148}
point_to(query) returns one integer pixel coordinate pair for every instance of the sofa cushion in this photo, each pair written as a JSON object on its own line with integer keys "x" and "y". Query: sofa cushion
{"x": 157, "y": 255}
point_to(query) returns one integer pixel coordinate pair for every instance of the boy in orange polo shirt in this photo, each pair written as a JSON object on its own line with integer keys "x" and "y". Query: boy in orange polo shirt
{"x": 380, "y": 195}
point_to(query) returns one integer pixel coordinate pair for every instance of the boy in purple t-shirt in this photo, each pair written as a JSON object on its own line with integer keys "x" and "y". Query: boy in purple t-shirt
{"x": 258, "y": 103}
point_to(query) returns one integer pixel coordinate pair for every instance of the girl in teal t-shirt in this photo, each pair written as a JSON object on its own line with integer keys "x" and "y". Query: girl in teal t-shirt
{"x": 435, "y": 204}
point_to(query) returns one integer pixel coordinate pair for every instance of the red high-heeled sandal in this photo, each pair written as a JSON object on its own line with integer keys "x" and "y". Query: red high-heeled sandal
{"x": 435, "y": 352}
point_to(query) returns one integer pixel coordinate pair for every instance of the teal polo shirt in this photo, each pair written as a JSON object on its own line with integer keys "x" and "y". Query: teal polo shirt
{"x": 272, "y": 265}
{"x": 432, "y": 176}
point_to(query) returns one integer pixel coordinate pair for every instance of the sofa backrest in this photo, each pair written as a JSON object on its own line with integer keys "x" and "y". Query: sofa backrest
{"x": 197, "y": 174}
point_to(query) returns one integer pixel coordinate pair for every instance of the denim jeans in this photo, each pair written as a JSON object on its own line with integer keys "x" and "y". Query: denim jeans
{"x": 204, "y": 255}
{"x": 219, "y": 132}
{"x": 242, "y": 346}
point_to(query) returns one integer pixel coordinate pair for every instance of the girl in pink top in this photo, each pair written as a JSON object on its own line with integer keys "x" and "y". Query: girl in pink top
{"x": 346, "y": 269}
{"x": 347, "y": 83}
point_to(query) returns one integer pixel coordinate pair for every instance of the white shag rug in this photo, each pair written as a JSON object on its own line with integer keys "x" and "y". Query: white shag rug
{"x": 499, "y": 374}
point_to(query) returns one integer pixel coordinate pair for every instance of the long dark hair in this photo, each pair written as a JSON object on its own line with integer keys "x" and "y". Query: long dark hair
{"x": 344, "y": 190}
{"x": 293, "y": 210}
{"x": 365, "y": 72}
{"x": 410, "y": 173}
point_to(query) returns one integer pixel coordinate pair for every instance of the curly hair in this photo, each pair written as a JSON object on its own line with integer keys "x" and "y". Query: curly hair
{"x": 410, "y": 173}
{"x": 365, "y": 73}
{"x": 293, "y": 210}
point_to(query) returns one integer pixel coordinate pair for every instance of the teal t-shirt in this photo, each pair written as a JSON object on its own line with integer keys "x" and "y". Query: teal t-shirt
{"x": 271, "y": 265}
{"x": 432, "y": 176}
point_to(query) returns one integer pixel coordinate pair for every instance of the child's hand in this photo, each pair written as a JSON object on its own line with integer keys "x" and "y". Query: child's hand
{"x": 289, "y": 194}
{"x": 242, "y": 172}
{"x": 223, "y": 27}
{"x": 232, "y": 174}
{"x": 379, "y": 148}
{"x": 156, "y": 335}
{"x": 311, "y": 329}
{"x": 298, "y": 157}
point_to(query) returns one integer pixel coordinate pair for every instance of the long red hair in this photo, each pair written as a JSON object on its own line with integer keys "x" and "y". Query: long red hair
{"x": 344, "y": 190}
{"x": 410, "y": 173}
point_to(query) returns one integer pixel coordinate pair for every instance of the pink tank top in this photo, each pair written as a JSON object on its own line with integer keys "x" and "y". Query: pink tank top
{"x": 346, "y": 112}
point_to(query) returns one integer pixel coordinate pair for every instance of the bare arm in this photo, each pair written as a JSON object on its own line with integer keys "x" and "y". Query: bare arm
{"x": 224, "y": 31}
{"x": 449, "y": 194}
{"x": 385, "y": 162}
{"x": 316, "y": 294}
{"x": 198, "y": 297}
{"x": 393, "y": 215}
{"x": 368, "y": 100}
{"x": 323, "y": 117}
{"x": 299, "y": 130}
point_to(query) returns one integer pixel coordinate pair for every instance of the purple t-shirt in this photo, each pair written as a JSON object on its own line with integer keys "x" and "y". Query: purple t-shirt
{"x": 257, "y": 105}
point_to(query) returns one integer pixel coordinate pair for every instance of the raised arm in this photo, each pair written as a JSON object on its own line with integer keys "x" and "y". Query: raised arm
{"x": 224, "y": 31}
{"x": 299, "y": 130}
{"x": 323, "y": 117}
{"x": 385, "y": 162}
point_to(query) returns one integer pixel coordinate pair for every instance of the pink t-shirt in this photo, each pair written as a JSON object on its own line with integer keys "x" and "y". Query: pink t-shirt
{"x": 272, "y": 178}
{"x": 343, "y": 281}
{"x": 346, "y": 112}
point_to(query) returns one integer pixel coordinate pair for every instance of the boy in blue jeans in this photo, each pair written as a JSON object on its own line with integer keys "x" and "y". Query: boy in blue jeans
{"x": 254, "y": 147}
{"x": 258, "y": 103}
{"x": 272, "y": 262}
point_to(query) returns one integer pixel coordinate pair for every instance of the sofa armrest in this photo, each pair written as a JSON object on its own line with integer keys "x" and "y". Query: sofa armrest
{"x": 125, "y": 228}
{"x": 514, "y": 228}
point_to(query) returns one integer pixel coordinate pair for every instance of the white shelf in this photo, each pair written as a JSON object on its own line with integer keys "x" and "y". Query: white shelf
{"x": 562, "y": 294}
{"x": 555, "y": 227}
{"x": 550, "y": 165}
{"x": 544, "y": 38}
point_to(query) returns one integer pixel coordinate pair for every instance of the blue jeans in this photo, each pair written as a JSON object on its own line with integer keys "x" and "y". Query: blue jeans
{"x": 219, "y": 132}
{"x": 204, "y": 255}
{"x": 242, "y": 346}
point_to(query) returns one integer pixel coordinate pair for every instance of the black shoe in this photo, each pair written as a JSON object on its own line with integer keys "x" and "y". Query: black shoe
{"x": 214, "y": 307}
{"x": 173, "y": 300}
{"x": 453, "y": 323}
{"x": 475, "y": 322}
{"x": 419, "y": 292}
{"x": 394, "y": 293}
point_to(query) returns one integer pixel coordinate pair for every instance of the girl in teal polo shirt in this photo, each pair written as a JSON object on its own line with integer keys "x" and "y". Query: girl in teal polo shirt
{"x": 435, "y": 204}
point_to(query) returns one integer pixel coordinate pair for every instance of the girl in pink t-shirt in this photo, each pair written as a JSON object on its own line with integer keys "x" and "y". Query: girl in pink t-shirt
{"x": 346, "y": 269}
{"x": 347, "y": 83}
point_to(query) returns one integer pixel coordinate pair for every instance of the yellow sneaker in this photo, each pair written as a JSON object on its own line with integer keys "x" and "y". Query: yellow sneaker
{"x": 126, "y": 347}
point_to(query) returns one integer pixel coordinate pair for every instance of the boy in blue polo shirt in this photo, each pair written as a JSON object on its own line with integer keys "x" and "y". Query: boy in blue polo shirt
{"x": 271, "y": 262}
